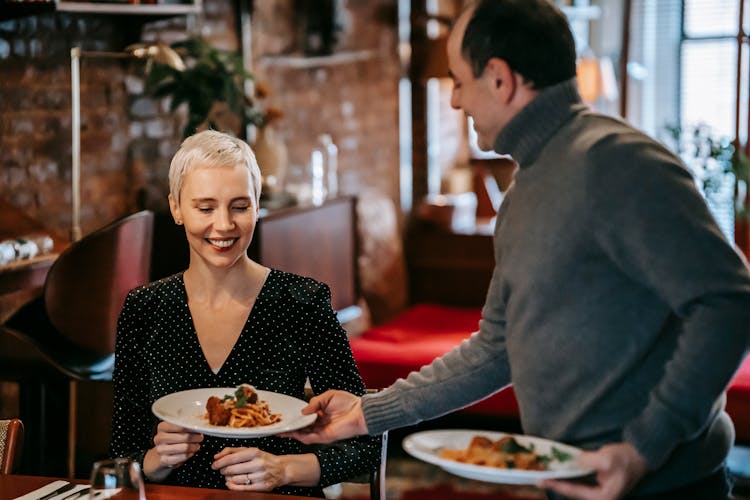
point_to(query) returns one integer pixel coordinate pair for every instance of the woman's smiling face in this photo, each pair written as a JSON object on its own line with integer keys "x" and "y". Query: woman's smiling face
{"x": 217, "y": 207}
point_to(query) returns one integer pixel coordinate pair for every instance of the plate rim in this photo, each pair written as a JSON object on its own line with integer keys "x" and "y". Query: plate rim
{"x": 232, "y": 432}
{"x": 487, "y": 473}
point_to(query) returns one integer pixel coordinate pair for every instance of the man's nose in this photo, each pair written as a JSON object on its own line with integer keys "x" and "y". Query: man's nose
{"x": 454, "y": 100}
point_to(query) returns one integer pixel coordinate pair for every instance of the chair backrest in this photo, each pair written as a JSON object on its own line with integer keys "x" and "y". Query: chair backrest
{"x": 11, "y": 444}
{"x": 86, "y": 286}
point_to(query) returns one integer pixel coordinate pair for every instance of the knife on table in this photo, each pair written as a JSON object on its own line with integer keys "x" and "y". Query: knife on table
{"x": 47, "y": 491}
{"x": 77, "y": 493}
{"x": 58, "y": 491}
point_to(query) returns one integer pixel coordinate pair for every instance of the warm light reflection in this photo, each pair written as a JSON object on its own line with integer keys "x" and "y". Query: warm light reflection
{"x": 596, "y": 78}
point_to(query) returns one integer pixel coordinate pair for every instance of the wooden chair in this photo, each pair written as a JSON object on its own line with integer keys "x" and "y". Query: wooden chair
{"x": 376, "y": 477}
{"x": 67, "y": 334}
{"x": 11, "y": 445}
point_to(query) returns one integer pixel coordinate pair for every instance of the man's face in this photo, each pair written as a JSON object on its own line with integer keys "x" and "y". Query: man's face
{"x": 476, "y": 96}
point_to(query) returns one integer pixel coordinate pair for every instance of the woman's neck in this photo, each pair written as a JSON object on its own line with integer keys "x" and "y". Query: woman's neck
{"x": 240, "y": 283}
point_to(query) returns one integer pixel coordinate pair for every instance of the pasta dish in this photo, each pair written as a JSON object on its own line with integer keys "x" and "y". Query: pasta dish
{"x": 505, "y": 453}
{"x": 241, "y": 409}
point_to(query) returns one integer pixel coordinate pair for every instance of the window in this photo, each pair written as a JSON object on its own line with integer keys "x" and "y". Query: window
{"x": 683, "y": 70}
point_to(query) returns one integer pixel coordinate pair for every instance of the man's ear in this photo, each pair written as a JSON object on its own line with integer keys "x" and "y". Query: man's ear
{"x": 500, "y": 76}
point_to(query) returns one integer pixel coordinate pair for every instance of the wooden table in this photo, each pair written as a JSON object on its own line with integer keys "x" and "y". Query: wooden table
{"x": 12, "y": 486}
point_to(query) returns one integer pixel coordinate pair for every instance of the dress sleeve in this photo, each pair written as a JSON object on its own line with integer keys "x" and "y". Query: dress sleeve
{"x": 330, "y": 365}
{"x": 132, "y": 420}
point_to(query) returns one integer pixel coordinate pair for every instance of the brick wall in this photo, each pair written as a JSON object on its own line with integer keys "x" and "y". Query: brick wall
{"x": 127, "y": 138}
{"x": 352, "y": 95}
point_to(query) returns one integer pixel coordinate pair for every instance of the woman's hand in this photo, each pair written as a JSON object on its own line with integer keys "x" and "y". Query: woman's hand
{"x": 250, "y": 469}
{"x": 618, "y": 468}
{"x": 173, "y": 446}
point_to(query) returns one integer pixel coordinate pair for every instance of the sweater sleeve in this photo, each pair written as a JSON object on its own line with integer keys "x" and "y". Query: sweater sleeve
{"x": 471, "y": 371}
{"x": 132, "y": 420}
{"x": 330, "y": 365}
{"x": 656, "y": 227}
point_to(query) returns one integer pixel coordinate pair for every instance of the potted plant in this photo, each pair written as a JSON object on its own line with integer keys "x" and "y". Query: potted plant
{"x": 213, "y": 87}
{"x": 722, "y": 174}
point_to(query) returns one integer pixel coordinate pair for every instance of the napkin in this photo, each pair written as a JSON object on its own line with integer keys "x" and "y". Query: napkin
{"x": 44, "y": 490}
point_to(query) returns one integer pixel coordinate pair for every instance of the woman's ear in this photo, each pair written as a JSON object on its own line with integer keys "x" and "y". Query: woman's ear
{"x": 175, "y": 209}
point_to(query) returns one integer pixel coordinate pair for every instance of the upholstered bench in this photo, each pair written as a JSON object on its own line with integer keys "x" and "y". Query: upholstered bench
{"x": 414, "y": 338}
{"x": 423, "y": 332}
{"x": 738, "y": 402}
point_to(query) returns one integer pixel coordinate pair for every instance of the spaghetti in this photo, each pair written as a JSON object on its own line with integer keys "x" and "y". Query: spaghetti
{"x": 241, "y": 409}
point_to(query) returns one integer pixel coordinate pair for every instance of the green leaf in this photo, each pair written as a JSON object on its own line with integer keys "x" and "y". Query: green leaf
{"x": 559, "y": 455}
{"x": 512, "y": 446}
{"x": 211, "y": 75}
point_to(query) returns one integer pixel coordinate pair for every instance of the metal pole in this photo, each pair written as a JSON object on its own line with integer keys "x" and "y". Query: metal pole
{"x": 75, "y": 93}
{"x": 75, "y": 172}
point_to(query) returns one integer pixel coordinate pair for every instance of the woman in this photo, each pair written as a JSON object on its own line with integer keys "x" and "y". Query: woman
{"x": 225, "y": 321}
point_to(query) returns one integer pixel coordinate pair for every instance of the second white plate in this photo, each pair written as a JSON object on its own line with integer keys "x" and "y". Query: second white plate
{"x": 188, "y": 409}
{"x": 426, "y": 446}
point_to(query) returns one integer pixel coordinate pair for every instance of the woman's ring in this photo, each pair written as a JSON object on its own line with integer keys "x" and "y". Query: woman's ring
{"x": 247, "y": 479}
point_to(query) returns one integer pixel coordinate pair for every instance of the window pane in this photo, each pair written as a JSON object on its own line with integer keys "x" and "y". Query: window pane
{"x": 711, "y": 17}
{"x": 708, "y": 84}
{"x": 653, "y": 64}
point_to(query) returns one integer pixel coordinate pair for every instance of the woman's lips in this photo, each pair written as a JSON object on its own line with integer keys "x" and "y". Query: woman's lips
{"x": 221, "y": 245}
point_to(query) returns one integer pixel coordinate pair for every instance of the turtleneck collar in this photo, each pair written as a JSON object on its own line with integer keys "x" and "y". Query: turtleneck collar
{"x": 526, "y": 133}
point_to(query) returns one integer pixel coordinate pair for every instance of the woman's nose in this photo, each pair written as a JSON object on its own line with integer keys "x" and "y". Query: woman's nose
{"x": 224, "y": 220}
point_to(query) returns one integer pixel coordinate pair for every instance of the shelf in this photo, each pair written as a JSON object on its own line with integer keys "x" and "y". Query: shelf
{"x": 129, "y": 9}
{"x": 306, "y": 62}
{"x": 13, "y": 9}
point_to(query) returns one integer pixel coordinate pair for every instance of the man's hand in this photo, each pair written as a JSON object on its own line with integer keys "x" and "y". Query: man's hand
{"x": 618, "y": 468}
{"x": 339, "y": 417}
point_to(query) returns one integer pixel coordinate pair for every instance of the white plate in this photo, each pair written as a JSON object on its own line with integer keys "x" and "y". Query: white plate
{"x": 188, "y": 409}
{"x": 427, "y": 445}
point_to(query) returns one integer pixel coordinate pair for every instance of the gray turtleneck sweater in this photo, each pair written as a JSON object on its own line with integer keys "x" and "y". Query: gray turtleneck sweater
{"x": 616, "y": 308}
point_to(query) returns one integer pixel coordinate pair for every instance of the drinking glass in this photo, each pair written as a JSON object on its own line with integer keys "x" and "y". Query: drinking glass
{"x": 119, "y": 476}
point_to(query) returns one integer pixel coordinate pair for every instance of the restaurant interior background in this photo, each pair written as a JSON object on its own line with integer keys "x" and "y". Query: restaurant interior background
{"x": 372, "y": 75}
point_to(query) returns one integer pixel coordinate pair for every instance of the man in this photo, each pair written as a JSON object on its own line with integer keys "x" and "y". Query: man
{"x": 616, "y": 308}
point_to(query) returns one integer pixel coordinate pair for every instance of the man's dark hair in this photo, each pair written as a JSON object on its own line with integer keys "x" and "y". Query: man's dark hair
{"x": 532, "y": 36}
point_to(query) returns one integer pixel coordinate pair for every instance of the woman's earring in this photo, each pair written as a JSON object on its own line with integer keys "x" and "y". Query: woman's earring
{"x": 178, "y": 222}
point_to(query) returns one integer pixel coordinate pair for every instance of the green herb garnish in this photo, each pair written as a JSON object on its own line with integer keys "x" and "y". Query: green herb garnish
{"x": 560, "y": 455}
{"x": 512, "y": 447}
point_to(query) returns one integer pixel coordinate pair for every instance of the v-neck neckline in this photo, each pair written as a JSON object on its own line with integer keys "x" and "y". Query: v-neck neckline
{"x": 251, "y": 313}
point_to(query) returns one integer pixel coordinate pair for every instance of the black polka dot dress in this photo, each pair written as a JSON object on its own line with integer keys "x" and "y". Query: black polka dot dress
{"x": 290, "y": 335}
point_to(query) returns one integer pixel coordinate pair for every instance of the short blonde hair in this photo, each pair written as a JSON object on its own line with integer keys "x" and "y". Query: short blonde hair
{"x": 212, "y": 149}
